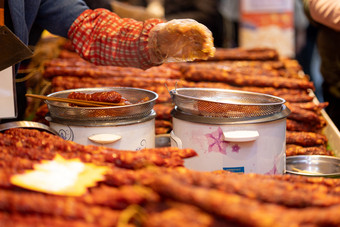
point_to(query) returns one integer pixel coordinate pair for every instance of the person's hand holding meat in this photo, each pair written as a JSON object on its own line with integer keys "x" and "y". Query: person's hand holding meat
{"x": 104, "y": 38}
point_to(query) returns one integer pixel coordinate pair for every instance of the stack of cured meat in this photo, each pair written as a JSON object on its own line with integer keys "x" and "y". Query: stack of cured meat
{"x": 150, "y": 188}
{"x": 257, "y": 70}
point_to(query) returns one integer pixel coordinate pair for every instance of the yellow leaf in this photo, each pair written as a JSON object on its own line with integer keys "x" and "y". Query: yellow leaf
{"x": 61, "y": 177}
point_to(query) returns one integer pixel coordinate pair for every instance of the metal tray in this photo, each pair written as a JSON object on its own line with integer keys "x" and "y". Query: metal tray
{"x": 313, "y": 165}
{"x": 28, "y": 125}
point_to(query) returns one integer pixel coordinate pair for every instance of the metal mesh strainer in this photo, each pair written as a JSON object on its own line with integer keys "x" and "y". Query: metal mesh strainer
{"x": 225, "y": 103}
{"x": 134, "y": 95}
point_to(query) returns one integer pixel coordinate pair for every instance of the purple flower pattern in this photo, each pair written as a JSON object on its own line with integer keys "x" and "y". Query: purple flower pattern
{"x": 272, "y": 171}
{"x": 235, "y": 148}
{"x": 217, "y": 144}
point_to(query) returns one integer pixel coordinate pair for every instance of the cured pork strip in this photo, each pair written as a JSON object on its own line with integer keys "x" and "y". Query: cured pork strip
{"x": 163, "y": 123}
{"x": 24, "y": 220}
{"x": 81, "y": 68}
{"x": 56, "y": 206}
{"x": 109, "y": 96}
{"x": 305, "y": 139}
{"x": 310, "y": 106}
{"x": 304, "y": 126}
{"x": 163, "y": 111}
{"x": 300, "y": 114}
{"x": 256, "y": 54}
{"x": 222, "y": 75}
{"x": 292, "y": 149}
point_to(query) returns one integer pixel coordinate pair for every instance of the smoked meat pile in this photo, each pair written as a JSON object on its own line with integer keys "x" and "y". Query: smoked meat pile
{"x": 151, "y": 188}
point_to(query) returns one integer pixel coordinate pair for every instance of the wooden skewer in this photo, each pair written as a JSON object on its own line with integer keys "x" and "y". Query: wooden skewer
{"x": 75, "y": 101}
{"x": 304, "y": 171}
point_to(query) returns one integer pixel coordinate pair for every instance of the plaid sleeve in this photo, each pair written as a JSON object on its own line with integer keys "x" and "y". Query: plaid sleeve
{"x": 104, "y": 38}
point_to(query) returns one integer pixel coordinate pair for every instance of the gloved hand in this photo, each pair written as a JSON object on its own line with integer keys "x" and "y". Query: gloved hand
{"x": 180, "y": 40}
{"x": 103, "y": 38}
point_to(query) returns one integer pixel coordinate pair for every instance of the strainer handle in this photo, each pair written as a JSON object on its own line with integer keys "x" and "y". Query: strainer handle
{"x": 172, "y": 93}
{"x": 240, "y": 136}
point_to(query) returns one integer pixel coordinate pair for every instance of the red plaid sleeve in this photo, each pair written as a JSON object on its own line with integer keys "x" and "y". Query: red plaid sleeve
{"x": 104, "y": 38}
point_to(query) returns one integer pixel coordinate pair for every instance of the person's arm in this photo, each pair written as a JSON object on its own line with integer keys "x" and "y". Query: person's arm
{"x": 326, "y": 12}
{"x": 57, "y": 16}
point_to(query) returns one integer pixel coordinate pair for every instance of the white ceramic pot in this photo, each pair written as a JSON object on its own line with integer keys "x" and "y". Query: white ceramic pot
{"x": 254, "y": 145}
{"x": 133, "y": 135}
{"x": 126, "y": 127}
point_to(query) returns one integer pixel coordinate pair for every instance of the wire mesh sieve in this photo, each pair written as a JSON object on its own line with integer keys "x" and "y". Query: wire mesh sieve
{"x": 111, "y": 113}
{"x": 225, "y": 103}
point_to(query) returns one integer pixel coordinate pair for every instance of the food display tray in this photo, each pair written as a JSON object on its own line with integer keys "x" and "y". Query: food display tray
{"x": 332, "y": 133}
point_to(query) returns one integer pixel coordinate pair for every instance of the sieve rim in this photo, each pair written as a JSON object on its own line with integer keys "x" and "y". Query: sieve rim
{"x": 214, "y": 102}
{"x": 53, "y": 103}
{"x": 279, "y": 102}
{"x": 109, "y": 113}
{"x": 216, "y": 120}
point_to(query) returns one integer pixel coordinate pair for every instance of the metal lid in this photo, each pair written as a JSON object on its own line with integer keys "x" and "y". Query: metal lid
{"x": 28, "y": 125}
{"x": 313, "y": 165}
{"x": 210, "y": 102}
{"x": 64, "y": 111}
{"x": 179, "y": 114}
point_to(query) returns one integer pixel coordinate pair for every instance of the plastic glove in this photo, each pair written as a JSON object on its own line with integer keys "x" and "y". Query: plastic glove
{"x": 180, "y": 40}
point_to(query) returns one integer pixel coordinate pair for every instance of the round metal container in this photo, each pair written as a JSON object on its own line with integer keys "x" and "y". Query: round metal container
{"x": 129, "y": 127}
{"x": 239, "y": 134}
{"x": 111, "y": 113}
{"x": 313, "y": 166}
{"x": 27, "y": 125}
